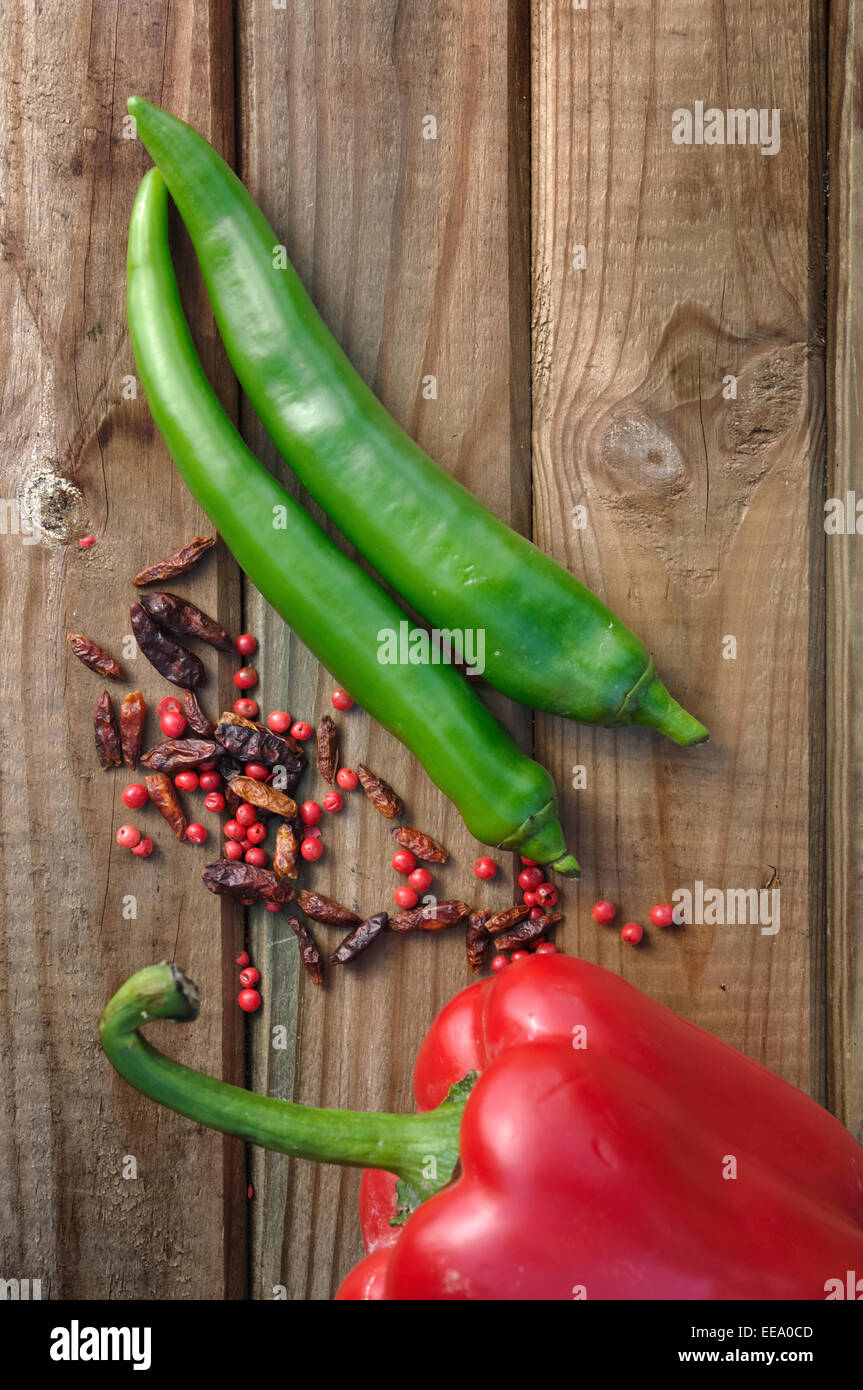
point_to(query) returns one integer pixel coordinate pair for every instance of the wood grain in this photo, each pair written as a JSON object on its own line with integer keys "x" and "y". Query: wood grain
{"x": 68, "y": 1216}
{"x": 700, "y": 262}
{"x": 845, "y": 573}
{"x": 406, "y": 246}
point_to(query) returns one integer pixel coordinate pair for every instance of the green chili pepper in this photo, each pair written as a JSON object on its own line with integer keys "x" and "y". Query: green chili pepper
{"x": 550, "y": 643}
{"x": 337, "y": 609}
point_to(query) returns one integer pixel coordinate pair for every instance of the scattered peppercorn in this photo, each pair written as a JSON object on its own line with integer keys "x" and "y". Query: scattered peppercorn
{"x": 546, "y": 895}
{"x": 603, "y": 912}
{"x": 530, "y": 878}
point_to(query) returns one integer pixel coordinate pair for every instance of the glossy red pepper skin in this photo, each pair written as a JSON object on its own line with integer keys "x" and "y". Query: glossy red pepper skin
{"x": 604, "y": 1170}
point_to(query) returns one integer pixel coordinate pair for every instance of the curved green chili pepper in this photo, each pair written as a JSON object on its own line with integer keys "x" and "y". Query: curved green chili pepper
{"x": 550, "y": 642}
{"x": 338, "y": 610}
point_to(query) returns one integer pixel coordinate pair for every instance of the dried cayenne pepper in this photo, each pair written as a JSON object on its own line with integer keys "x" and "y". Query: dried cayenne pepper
{"x": 253, "y": 743}
{"x": 420, "y": 845}
{"x": 328, "y": 749}
{"x": 309, "y": 953}
{"x": 133, "y": 712}
{"x": 179, "y": 563}
{"x": 106, "y": 733}
{"x": 509, "y": 917}
{"x": 325, "y": 910}
{"x": 359, "y": 939}
{"x": 185, "y": 619}
{"x": 175, "y": 754}
{"x": 263, "y": 795}
{"x": 236, "y": 879}
{"x": 286, "y": 851}
{"x": 527, "y": 932}
{"x": 379, "y": 793}
{"x": 95, "y": 657}
{"x": 170, "y": 659}
{"x": 164, "y": 797}
{"x": 478, "y": 941}
{"x": 195, "y": 716}
{"x": 447, "y": 914}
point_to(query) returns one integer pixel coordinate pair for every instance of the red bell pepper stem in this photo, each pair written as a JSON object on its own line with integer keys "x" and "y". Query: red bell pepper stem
{"x": 409, "y": 1145}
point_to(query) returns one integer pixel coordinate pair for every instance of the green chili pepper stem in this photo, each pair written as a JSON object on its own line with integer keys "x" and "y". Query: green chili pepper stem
{"x": 657, "y": 709}
{"x": 408, "y": 1145}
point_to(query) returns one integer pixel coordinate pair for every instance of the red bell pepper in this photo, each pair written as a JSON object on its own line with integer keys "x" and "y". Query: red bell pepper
{"x": 607, "y": 1149}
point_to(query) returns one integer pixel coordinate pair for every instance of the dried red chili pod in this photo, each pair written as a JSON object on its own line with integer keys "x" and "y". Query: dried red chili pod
{"x": 133, "y": 713}
{"x": 509, "y": 917}
{"x": 286, "y": 852}
{"x": 185, "y": 619}
{"x": 326, "y": 910}
{"x": 420, "y": 845}
{"x": 106, "y": 733}
{"x": 309, "y": 953}
{"x": 359, "y": 939}
{"x": 527, "y": 932}
{"x": 163, "y": 795}
{"x": 195, "y": 716}
{"x": 264, "y": 796}
{"x": 254, "y": 743}
{"x": 379, "y": 793}
{"x": 179, "y": 563}
{"x": 328, "y": 749}
{"x": 170, "y": 659}
{"x": 94, "y": 657}
{"x": 446, "y": 914}
{"x": 175, "y": 754}
{"x": 237, "y": 879}
{"x": 478, "y": 942}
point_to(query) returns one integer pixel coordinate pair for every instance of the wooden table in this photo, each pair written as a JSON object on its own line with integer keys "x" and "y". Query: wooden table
{"x": 688, "y": 380}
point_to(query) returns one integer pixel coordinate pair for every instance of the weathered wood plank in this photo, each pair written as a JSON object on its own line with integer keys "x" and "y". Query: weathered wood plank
{"x": 845, "y": 573}
{"x": 702, "y": 262}
{"x": 406, "y": 245}
{"x": 68, "y": 1215}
